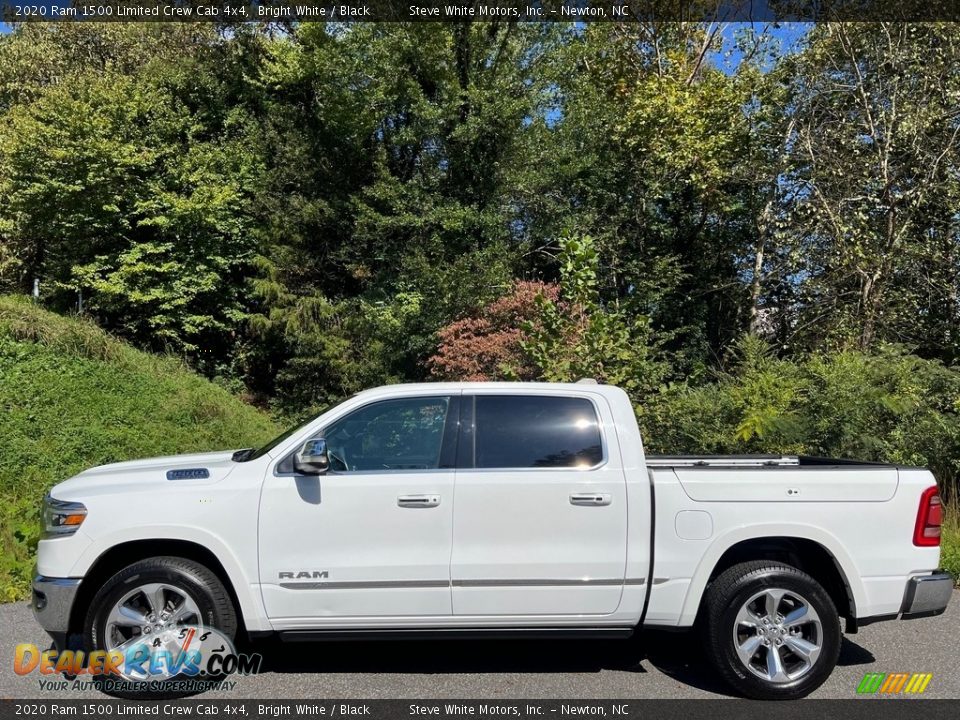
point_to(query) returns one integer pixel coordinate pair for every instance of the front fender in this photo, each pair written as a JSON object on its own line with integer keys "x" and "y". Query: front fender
{"x": 243, "y": 579}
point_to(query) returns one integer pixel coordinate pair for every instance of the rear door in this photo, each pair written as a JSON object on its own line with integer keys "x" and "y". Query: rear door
{"x": 540, "y": 518}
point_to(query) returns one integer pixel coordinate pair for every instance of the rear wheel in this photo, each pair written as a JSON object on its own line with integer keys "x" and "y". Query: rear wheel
{"x": 159, "y": 603}
{"x": 772, "y": 631}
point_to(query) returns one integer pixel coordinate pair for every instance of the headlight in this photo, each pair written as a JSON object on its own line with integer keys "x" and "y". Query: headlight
{"x": 61, "y": 518}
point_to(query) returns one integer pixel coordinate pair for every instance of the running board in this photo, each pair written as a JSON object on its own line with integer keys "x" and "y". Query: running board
{"x": 494, "y": 633}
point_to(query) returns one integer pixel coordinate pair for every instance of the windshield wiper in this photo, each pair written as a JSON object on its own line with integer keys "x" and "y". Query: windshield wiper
{"x": 242, "y": 455}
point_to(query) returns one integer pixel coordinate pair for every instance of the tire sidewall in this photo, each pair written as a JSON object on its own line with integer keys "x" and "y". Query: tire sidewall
{"x": 753, "y": 685}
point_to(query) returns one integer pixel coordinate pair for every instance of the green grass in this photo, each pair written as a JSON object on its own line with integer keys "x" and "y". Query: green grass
{"x": 950, "y": 540}
{"x": 72, "y": 396}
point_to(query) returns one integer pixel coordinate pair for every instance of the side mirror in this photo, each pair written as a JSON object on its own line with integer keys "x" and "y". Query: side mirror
{"x": 312, "y": 458}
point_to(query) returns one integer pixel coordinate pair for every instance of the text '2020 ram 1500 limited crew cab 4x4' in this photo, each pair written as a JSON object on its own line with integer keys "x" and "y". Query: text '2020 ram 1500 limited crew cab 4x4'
{"x": 506, "y": 508}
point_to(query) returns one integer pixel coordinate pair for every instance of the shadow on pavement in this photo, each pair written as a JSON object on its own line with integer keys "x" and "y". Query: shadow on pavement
{"x": 676, "y": 654}
{"x": 853, "y": 654}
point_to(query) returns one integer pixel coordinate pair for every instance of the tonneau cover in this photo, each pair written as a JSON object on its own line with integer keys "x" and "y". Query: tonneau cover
{"x": 796, "y": 483}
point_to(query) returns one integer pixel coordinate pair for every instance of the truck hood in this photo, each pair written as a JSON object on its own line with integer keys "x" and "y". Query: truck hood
{"x": 148, "y": 473}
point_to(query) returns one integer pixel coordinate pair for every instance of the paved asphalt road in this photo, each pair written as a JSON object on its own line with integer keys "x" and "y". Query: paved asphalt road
{"x": 664, "y": 665}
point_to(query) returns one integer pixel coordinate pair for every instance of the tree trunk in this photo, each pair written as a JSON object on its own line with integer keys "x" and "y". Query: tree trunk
{"x": 755, "y": 286}
{"x": 764, "y": 224}
{"x": 869, "y": 306}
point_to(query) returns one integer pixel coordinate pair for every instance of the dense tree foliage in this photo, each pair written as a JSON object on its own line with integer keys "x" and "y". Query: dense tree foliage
{"x": 304, "y": 211}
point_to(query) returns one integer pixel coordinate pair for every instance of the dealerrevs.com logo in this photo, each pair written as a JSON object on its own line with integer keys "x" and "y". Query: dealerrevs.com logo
{"x": 894, "y": 683}
{"x": 189, "y": 657}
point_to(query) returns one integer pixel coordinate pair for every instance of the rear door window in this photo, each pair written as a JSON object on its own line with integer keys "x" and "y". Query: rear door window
{"x": 536, "y": 431}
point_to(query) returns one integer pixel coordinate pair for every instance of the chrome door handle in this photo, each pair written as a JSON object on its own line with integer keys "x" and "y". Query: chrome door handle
{"x": 590, "y": 499}
{"x": 418, "y": 501}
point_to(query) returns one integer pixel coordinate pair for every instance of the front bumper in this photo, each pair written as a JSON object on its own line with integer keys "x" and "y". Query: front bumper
{"x": 52, "y": 603}
{"x": 927, "y": 595}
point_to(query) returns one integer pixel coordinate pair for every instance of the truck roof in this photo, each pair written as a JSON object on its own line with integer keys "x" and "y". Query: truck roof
{"x": 580, "y": 386}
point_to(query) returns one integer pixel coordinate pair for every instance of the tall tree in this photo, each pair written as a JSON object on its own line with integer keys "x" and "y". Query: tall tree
{"x": 394, "y": 151}
{"x": 648, "y": 151}
{"x": 875, "y": 156}
{"x": 124, "y": 183}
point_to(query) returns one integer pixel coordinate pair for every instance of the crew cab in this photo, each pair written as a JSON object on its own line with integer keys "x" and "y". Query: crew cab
{"x": 503, "y": 508}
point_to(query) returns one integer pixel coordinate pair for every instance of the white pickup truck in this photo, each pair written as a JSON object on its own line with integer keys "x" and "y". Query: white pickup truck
{"x": 504, "y": 508}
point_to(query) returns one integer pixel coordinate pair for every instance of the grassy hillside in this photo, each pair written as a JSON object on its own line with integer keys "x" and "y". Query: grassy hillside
{"x": 71, "y": 397}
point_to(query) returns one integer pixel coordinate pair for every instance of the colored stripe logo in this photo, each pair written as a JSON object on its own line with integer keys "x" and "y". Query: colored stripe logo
{"x": 894, "y": 683}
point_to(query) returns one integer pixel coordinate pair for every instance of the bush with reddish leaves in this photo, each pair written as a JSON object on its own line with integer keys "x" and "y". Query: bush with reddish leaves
{"x": 488, "y": 346}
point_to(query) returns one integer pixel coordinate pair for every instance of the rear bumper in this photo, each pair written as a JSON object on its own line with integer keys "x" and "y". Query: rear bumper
{"x": 52, "y": 603}
{"x": 926, "y": 595}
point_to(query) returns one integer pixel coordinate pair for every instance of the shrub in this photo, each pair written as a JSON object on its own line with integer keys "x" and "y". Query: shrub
{"x": 889, "y": 406}
{"x": 950, "y": 542}
{"x": 489, "y": 346}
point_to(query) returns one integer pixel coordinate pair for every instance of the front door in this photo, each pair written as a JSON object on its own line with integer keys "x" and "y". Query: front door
{"x": 371, "y": 537}
{"x": 540, "y": 523}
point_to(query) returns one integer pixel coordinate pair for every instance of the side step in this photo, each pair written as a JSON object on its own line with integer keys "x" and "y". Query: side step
{"x": 380, "y": 634}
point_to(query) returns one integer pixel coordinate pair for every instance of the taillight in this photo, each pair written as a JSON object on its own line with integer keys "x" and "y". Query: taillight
{"x": 929, "y": 517}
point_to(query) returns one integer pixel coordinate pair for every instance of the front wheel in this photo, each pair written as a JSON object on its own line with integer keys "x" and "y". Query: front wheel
{"x": 155, "y": 612}
{"x": 772, "y": 631}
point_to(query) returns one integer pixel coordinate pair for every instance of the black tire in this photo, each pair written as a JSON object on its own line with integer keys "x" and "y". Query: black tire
{"x": 730, "y": 592}
{"x": 202, "y": 586}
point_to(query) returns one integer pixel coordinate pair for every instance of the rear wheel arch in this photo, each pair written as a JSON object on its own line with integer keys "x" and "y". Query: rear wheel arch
{"x": 808, "y": 556}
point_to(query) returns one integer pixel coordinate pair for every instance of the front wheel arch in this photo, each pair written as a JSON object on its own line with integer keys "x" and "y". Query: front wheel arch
{"x": 120, "y": 556}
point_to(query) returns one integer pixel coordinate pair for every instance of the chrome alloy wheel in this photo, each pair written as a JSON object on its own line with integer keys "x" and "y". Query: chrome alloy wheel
{"x": 150, "y": 612}
{"x": 778, "y": 635}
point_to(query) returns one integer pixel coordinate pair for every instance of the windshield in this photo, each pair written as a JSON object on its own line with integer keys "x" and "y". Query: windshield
{"x": 253, "y": 454}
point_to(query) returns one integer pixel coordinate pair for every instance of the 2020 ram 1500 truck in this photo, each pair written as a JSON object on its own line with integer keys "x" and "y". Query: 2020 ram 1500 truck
{"x": 494, "y": 508}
